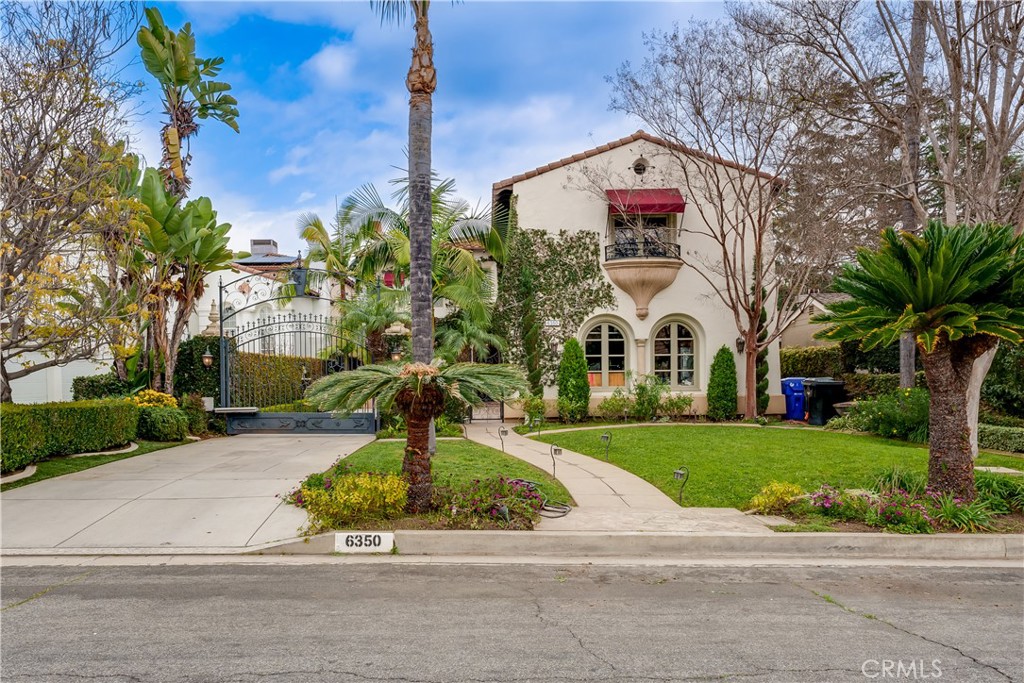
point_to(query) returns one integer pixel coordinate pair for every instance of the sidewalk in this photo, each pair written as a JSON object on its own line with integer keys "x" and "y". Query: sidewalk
{"x": 611, "y": 499}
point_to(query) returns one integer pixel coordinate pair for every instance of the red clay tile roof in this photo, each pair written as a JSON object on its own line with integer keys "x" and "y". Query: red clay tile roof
{"x": 639, "y": 135}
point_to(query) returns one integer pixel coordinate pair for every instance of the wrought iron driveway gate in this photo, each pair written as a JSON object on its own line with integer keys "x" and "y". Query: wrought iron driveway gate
{"x": 270, "y": 356}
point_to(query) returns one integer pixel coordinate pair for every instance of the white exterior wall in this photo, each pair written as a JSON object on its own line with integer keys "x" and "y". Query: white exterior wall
{"x": 564, "y": 198}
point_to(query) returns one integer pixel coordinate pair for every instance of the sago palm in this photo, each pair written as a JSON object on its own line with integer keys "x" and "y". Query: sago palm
{"x": 419, "y": 392}
{"x": 960, "y": 291}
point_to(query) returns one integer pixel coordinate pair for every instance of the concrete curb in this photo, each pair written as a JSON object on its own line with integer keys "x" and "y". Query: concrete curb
{"x": 18, "y": 476}
{"x": 623, "y": 544}
{"x": 610, "y": 544}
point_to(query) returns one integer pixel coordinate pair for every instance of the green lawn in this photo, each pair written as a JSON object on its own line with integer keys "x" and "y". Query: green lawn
{"x": 60, "y": 466}
{"x": 457, "y": 462}
{"x": 729, "y": 465}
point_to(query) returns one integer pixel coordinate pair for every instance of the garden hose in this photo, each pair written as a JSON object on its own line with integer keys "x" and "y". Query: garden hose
{"x": 549, "y": 509}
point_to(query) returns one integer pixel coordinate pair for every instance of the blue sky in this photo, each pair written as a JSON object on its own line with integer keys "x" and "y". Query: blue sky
{"x": 321, "y": 91}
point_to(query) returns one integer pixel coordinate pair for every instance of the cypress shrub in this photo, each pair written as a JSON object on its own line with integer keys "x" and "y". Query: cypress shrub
{"x": 162, "y": 424}
{"x": 573, "y": 383}
{"x": 36, "y": 431}
{"x": 722, "y": 389}
{"x": 762, "y": 363}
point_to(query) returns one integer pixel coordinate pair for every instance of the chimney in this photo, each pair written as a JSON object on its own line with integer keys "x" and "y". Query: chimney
{"x": 262, "y": 247}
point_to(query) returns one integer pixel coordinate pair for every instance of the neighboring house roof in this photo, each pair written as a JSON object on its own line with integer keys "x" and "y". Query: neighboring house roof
{"x": 267, "y": 260}
{"x": 635, "y": 137}
{"x": 825, "y": 299}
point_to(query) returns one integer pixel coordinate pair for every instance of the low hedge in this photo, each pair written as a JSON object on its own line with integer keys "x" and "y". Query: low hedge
{"x": 36, "y": 431}
{"x": 860, "y": 386}
{"x": 1001, "y": 438}
{"x": 88, "y": 387}
{"x": 163, "y": 424}
{"x": 811, "y": 361}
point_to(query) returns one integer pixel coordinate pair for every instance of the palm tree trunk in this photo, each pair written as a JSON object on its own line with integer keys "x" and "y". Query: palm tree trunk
{"x": 416, "y": 463}
{"x": 421, "y": 81}
{"x": 949, "y": 368}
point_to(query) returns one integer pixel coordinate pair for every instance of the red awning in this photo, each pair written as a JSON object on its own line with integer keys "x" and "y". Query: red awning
{"x": 645, "y": 201}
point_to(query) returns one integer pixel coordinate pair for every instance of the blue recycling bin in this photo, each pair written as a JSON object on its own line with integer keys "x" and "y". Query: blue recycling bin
{"x": 793, "y": 390}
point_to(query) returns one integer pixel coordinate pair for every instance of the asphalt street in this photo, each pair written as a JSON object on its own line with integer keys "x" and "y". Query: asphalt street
{"x": 453, "y": 623}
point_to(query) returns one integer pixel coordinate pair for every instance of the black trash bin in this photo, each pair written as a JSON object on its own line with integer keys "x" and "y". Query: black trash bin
{"x": 820, "y": 395}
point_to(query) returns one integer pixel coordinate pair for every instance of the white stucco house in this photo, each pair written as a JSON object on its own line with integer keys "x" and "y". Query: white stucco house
{"x": 668, "y": 321}
{"x": 801, "y": 330}
{"x": 252, "y": 289}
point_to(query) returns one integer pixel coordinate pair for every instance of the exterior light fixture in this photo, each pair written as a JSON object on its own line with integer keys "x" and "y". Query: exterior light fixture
{"x": 396, "y": 356}
{"x": 502, "y": 433}
{"x": 681, "y": 475}
{"x": 606, "y": 438}
{"x": 207, "y": 358}
{"x": 555, "y": 451}
{"x": 741, "y": 344}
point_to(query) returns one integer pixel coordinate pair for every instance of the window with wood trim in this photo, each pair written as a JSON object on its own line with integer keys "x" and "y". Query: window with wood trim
{"x": 605, "y": 349}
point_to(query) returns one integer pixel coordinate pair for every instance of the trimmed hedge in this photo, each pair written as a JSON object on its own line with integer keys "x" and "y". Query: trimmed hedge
{"x": 1001, "y": 438}
{"x": 163, "y": 424}
{"x": 262, "y": 380}
{"x": 88, "y": 387}
{"x": 195, "y": 411}
{"x": 811, "y": 361}
{"x": 860, "y": 386}
{"x": 36, "y": 431}
{"x": 190, "y": 375}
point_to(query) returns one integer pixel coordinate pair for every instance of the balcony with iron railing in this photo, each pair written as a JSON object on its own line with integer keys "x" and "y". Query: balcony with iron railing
{"x": 646, "y": 248}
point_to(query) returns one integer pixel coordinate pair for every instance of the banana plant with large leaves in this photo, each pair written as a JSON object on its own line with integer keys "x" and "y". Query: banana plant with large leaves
{"x": 188, "y": 92}
{"x": 959, "y": 290}
{"x": 183, "y": 244}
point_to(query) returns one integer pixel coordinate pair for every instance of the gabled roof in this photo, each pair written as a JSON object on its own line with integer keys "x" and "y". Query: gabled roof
{"x": 635, "y": 137}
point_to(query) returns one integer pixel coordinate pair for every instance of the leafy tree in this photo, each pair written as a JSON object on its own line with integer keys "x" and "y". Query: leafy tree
{"x": 188, "y": 93}
{"x": 960, "y": 291}
{"x": 573, "y": 383}
{"x": 60, "y": 120}
{"x": 722, "y": 391}
{"x": 419, "y": 392}
{"x": 1004, "y": 386}
{"x": 421, "y": 82}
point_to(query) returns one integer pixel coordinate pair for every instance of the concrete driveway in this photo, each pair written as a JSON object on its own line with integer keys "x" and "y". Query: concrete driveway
{"x": 214, "y": 494}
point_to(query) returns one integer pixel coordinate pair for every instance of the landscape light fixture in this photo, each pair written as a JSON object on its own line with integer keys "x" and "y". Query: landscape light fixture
{"x": 681, "y": 475}
{"x": 606, "y": 438}
{"x": 555, "y": 451}
{"x": 502, "y": 433}
{"x": 207, "y": 358}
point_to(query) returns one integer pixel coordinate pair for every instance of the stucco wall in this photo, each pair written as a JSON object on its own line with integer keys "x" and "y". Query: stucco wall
{"x": 572, "y": 198}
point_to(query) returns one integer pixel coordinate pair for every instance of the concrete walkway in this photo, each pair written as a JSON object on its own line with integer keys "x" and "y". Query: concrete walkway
{"x": 219, "y": 493}
{"x": 610, "y": 498}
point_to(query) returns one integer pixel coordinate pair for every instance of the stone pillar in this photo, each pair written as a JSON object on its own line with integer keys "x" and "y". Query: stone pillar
{"x": 641, "y": 356}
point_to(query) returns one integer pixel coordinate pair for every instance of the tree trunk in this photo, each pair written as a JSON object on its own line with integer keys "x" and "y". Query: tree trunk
{"x": 5, "y": 384}
{"x": 949, "y": 368}
{"x": 416, "y": 464}
{"x": 978, "y": 373}
{"x": 908, "y": 361}
{"x": 421, "y": 81}
{"x": 750, "y": 380}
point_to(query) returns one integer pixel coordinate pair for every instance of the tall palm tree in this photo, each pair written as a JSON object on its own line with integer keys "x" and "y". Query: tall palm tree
{"x": 421, "y": 82}
{"x": 960, "y": 291}
{"x": 385, "y": 237}
{"x": 419, "y": 391}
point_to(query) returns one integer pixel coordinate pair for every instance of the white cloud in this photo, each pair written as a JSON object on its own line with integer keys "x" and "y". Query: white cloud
{"x": 332, "y": 67}
{"x": 305, "y": 197}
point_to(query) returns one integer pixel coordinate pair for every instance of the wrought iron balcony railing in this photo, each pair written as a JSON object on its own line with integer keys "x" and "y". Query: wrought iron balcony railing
{"x": 642, "y": 249}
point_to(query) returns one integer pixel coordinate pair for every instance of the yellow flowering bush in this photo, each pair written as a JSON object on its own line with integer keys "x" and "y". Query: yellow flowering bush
{"x": 153, "y": 399}
{"x": 352, "y": 498}
{"x": 775, "y": 497}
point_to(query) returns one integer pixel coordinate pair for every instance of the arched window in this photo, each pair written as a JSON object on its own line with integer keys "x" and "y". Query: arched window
{"x": 605, "y": 349}
{"x": 675, "y": 355}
